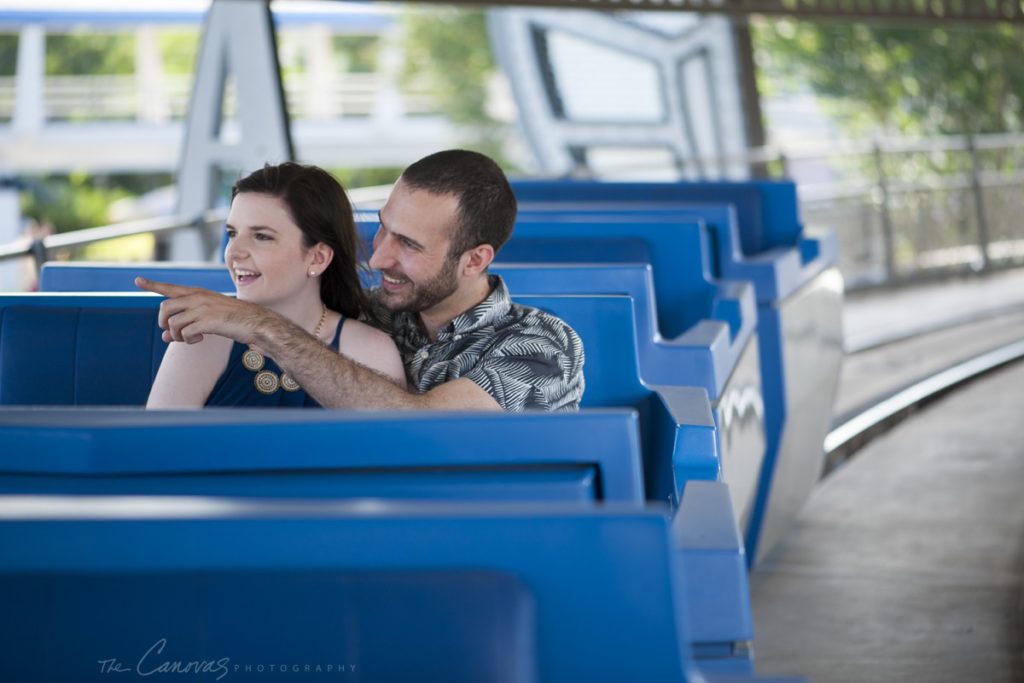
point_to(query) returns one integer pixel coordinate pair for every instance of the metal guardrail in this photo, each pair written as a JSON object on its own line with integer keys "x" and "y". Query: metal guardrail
{"x": 903, "y": 209}
{"x": 120, "y": 97}
{"x": 41, "y": 249}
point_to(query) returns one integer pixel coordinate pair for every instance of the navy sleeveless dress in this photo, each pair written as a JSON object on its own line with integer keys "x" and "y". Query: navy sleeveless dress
{"x": 235, "y": 386}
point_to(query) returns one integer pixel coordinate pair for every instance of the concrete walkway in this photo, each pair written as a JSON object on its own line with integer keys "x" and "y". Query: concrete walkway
{"x": 878, "y": 313}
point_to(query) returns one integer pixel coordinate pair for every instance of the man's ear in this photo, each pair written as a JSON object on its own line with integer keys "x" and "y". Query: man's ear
{"x": 476, "y": 260}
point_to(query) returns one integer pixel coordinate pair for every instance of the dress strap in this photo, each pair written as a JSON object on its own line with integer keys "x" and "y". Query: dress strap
{"x": 337, "y": 332}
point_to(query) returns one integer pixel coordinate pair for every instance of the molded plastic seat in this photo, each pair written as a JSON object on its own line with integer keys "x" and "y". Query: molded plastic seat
{"x": 58, "y": 349}
{"x": 759, "y": 238}
{"x": 465, "y": 593}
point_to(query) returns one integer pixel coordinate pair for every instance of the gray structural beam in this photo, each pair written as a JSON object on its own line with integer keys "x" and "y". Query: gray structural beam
{"x": 662, "y": 89}
{"x": 985, "y": 11}
{"x": 238, "y": 43}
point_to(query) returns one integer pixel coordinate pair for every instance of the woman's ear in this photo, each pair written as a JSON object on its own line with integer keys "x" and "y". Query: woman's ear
{"x": 321, "y": 257}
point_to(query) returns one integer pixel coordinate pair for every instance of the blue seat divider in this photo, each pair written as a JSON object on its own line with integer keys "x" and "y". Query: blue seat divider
{"x": 775, "y": 272}
{"x": 677, "y": 429}
{"x": 322, "y": 454}
{"x": 84, "y": 276}
{"x": 704, "y": 355}
{"x": 706, "y": 536}
{"x": 798, "y": 290}
{"x": 679, "y": 437}
{"x": 588, "y": 457}
{"x": 678, "y": 424}
{"x": 768, "y": 207}
{"x": 464, "y": 593}
{"x": 95, "y": 277}
{"x": 680, "y": 252}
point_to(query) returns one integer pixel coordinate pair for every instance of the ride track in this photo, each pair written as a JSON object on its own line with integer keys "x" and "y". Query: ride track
{"x": 855, "y": 426}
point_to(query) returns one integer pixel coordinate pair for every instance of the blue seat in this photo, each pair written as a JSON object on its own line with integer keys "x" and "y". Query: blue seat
{"x": 761, "y": 239}
{"x": 703, "y": 355}
{"x": 677, "y": 426}
{"x": 589, "y": 456}
{"x": 104, "y": 350}
{"x": 686, "y": 297}
{"x": 678, "y": 434}
{"x": 84, "y": 276}
{"x": 511, "y": 593}
{"x": 768, "y": 207}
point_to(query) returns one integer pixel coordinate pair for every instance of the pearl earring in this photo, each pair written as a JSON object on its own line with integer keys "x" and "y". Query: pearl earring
{"x": 312, "y": 273}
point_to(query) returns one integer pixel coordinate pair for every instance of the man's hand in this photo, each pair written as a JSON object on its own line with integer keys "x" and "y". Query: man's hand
{"x": 190, "y": 312}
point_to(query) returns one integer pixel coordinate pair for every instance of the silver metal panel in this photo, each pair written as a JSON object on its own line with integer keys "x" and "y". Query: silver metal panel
{"x": 739, "y": 414}
{"x": 812, "y": 352}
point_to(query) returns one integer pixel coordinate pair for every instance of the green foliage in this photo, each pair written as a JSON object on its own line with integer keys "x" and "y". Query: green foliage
{"x": 356, "y": 54}
{"x": 90, "y": 54}
{"x": 448, "y": 54}
{"x": 179, "y": 50}
{"x": 69, "y": 202}
{"x": 351, "y": 178}
{"x": 8, "y": 53}
{"x": 911, "y": 80}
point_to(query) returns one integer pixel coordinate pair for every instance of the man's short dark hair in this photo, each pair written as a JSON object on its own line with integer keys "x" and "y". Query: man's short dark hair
{"x": 487, "y": 206}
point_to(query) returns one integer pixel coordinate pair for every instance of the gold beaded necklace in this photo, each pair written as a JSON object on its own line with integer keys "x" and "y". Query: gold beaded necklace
{"x": 267, "y": 381}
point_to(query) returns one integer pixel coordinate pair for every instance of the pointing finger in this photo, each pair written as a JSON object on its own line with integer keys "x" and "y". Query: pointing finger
{"x": 165, "y": 288}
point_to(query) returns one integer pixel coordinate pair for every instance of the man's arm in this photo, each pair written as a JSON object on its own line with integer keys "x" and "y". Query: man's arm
{"x": 332, "y": 379}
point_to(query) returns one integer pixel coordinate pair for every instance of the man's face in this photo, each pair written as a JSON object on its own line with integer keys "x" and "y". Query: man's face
{"x": 410, "y": 249}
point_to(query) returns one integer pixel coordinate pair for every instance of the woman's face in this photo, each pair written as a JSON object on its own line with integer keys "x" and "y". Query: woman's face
{"x": 265, "y": 254}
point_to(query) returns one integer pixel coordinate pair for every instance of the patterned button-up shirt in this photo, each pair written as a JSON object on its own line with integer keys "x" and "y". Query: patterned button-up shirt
{"x": 523, "y": 357}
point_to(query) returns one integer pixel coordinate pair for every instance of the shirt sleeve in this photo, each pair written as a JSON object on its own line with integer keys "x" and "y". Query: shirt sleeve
{"x": 537, "y": 367}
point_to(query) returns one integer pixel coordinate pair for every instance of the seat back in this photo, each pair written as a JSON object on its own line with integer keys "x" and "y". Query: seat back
{"x": 75, "y": 355}
{"x": 55, "y": 350}
{"x": 84, "y": 276}
{"x": 767, "y": 210}
{"x": 395, "y": 592}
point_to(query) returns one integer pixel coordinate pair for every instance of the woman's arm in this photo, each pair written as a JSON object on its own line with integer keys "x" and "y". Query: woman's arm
{"x": 375, "y": 349}
{"x": 188, "y": 373}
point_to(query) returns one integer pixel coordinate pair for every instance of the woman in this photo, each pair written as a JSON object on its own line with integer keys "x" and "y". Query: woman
{"x": 291, "y": 248}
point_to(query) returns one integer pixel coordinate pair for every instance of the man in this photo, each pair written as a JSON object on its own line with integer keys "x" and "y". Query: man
{"x": 464, "y": 344}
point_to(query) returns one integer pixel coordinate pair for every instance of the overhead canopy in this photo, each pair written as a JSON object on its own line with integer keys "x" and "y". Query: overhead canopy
{"x": 984, "y": 11}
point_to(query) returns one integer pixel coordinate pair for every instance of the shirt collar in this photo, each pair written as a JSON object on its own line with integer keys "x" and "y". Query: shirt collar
{"x": 485, "y": 314}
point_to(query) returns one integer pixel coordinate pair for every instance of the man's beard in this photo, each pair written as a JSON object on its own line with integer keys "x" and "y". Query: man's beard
{"x": 430, "y": 293}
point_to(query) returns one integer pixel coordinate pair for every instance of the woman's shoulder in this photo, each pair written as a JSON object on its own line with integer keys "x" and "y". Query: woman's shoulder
{"x": 213, "y": 347}
{"x": 359, "y": 335}
{"x": 371, "y": 347}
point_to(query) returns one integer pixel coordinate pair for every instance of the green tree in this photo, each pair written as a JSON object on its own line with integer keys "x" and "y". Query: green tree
{"x": 90, "y": 54}
{"x": 357, "y": 54}
{"x": 69, "y": 202}
{"x": 448, "y": 54}
{"x": 8, "y": 53}
{"x": 919, "y": 80}
{"x": 179, "y": 49}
